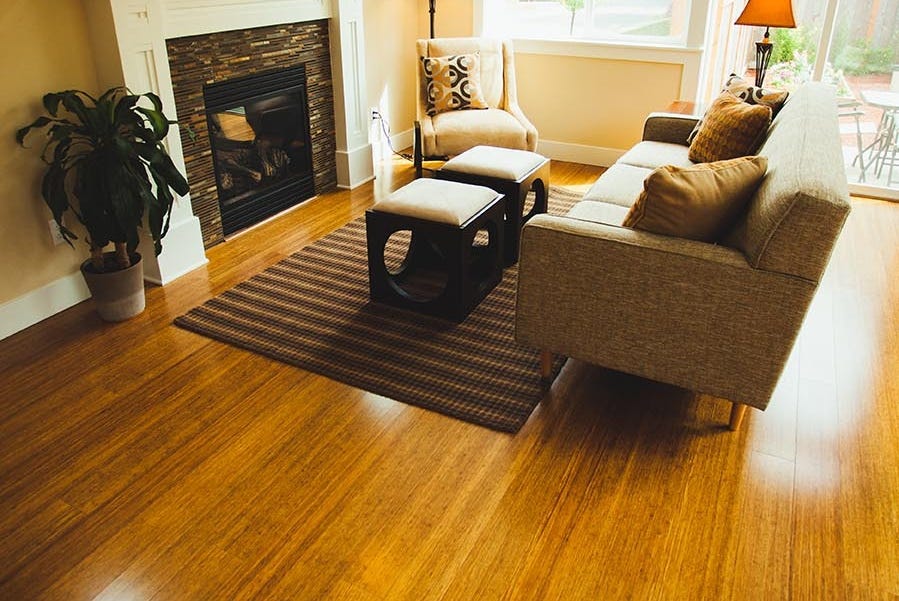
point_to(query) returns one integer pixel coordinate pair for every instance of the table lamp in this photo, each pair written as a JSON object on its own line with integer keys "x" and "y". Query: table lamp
{"x": 767, "y": 14}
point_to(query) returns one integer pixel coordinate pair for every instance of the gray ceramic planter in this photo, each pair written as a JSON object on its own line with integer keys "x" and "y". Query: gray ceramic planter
{"x": 118, "y": 295}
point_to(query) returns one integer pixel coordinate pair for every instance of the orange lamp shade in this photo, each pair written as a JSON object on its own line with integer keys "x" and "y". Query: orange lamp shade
{"x": 767, "y": 13}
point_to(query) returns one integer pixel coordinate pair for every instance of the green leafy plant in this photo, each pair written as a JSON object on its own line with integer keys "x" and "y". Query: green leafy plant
{"x": 860, "y": 58}
{"x": 107, "y": 164}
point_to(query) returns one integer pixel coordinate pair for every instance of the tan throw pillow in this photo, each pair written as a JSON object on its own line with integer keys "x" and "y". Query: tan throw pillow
{"x": 747, "y": 92}
{"x": 731, "y": 128}
{"x": 701, "y": 202}
{"x": 453, "y": 83}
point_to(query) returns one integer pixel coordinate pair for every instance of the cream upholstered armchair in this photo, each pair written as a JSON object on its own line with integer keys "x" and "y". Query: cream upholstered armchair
{"x": 502, "y": 124}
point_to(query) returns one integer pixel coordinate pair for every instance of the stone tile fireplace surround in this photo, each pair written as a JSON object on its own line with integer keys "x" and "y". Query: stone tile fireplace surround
{"x": 144, "y": 39}
{"x": 223, "y": 56}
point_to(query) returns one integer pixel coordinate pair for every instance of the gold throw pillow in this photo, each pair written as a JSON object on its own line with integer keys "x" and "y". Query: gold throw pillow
{"x": 453, "y": 83}
{"x": 701, "y": 202}
{"x": 731, "y": 128}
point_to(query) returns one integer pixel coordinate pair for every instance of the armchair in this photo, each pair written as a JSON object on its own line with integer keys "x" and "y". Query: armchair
{"x": 450, "y": 133}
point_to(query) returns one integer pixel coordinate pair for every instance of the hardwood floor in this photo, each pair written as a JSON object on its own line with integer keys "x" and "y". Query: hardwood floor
{"x": 141, "y": 461}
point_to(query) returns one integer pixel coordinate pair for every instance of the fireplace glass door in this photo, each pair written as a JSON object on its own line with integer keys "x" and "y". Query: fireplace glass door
{"x": 259, "y": 133}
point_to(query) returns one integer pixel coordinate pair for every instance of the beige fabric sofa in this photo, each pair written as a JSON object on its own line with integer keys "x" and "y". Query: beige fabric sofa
{"x": 719, "y": 319}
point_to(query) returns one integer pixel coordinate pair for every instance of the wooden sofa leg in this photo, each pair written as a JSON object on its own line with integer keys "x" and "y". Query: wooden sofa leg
{"x": 737, "y": 412}
{"x": 546, "y": 365}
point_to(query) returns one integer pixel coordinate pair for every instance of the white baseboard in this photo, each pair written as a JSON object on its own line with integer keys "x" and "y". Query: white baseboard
{"x": 381, "y": 150}
{"x": 579, "y": 153}
{"x": 41, "y": 303}
{"x": 560, "y": 151}
{"x": 182, "y": 252}
{"x": 403, "y": 139}
{"x": 354, "y": 167}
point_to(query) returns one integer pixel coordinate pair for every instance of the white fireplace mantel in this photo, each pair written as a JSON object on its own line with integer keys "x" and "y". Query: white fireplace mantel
{"x": 129, "y": 44}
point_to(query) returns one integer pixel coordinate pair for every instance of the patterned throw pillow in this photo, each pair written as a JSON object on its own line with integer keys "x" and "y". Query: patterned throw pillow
{"x": 701, "y": 202}
{"x": 747, "y": 92}
{"x": 731, "y": 128}
{"x": 453, "y": 83}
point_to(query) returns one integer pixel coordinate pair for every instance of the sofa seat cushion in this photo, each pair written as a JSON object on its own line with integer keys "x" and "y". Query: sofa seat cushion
{"x": 655, "y": 154}
{"x": 457, "y": 131}
{"x": 599, "y": 212}
{"x": 620, "y": 184}
{"x": 701, "y": 202}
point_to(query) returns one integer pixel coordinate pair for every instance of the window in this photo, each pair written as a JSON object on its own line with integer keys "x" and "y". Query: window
{"x": 853, "y": 46}
{"x": 628, "y": 21}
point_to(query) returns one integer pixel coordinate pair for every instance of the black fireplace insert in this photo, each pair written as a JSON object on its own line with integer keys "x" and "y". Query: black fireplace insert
{"x": 261, "y": 145}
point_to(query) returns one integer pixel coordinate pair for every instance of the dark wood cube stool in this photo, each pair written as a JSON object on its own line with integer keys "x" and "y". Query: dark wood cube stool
{"x": 444, "y": 219}
{"x": 512, "y": 173}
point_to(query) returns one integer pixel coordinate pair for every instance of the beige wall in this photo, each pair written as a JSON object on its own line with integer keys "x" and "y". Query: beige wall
{"x": 391, "y": 28}
{"x": 452, "y": 19}
{"x": 44, "y": 48}
{"x": 590, "y": 101}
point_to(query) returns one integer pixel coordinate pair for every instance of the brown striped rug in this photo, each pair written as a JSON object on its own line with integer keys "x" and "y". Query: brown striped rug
{"x": 312, "y": 310}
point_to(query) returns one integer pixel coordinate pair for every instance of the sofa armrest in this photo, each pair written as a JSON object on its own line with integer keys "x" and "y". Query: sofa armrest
{"x": 669, "y": 127}
{"x": 688, "y": 313}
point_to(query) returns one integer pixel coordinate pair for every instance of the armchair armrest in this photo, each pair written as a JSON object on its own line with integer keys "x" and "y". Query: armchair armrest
{"x": 668, "y": 127}
{"x": 515, "y": 111}
{"x": 688, "y": 313}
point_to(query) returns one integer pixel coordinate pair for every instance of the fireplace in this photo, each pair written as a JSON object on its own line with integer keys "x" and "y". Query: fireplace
{"x": 276, "y": 79}
{"x": 176, "y": 47}
{"x": 261, "y": 148}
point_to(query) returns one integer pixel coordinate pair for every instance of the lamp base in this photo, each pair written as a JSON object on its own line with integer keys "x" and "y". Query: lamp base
{"x": 762, "y": 57}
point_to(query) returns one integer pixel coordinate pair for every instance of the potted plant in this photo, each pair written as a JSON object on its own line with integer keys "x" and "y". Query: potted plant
{"x": 106, "y": 163}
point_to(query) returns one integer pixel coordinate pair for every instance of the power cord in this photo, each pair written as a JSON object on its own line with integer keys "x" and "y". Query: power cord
{"x": 377, "y": 116}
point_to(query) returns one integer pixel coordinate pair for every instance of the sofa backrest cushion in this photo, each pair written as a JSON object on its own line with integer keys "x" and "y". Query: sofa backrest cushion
{"x": 797, "y": 213}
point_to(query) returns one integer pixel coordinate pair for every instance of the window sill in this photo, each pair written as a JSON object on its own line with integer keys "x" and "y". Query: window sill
{"x": 650, "y": 53}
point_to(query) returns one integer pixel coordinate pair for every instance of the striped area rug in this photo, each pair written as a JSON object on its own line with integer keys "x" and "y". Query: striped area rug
{"x": 312, "y": 310}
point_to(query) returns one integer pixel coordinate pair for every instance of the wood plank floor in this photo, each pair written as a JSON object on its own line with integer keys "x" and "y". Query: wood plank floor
{"x": 141, "y": 461}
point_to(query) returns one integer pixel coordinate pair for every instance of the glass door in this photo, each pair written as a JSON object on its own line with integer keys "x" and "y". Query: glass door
{"x": 854, "y": 46}
{"x": 863, "y": 54}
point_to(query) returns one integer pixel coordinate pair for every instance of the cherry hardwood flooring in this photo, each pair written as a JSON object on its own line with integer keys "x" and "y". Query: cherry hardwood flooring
{"x": 140, "y": 461}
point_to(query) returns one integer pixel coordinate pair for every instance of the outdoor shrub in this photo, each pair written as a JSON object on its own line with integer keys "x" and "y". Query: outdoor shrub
{"x": 860, "y": 59}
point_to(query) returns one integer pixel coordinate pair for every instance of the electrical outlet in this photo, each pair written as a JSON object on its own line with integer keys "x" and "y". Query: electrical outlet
{"x": 55, "y": 234}
{"x": 375, "y": 113}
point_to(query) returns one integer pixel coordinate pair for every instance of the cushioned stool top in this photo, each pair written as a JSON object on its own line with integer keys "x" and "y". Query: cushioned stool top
{"x": 502, "y": 163}
{"x": 437, "y": 200}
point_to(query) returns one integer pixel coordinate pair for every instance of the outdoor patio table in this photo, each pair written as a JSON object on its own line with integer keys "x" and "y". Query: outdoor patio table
{"x": 885, "y": 144}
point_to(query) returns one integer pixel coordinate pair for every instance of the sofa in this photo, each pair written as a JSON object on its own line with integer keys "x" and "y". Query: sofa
{"x": 716, "y": 318}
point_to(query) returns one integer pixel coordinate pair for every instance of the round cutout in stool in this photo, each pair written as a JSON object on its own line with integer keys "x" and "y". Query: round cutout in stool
{"x": 416, "y": 269}
{"x": 484, "y": 251}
